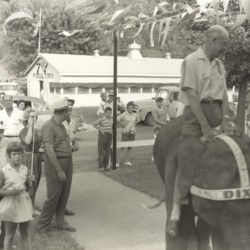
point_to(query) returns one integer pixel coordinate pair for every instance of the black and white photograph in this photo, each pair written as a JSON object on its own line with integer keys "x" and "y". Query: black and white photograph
{"x": 125, "y": 124}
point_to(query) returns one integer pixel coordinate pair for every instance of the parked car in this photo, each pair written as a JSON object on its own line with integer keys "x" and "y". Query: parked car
{"x": 168, "y": 93}
{"x": 45, "y": 111}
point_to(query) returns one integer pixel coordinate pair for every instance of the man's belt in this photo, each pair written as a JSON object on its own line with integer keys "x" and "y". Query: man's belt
{"x": 62, "y": 157}
{"x": 11, "y": 136}
{"x": 209, "y": 101}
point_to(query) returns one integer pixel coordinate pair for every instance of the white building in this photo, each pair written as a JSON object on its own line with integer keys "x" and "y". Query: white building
{"x": 83, "y": 77}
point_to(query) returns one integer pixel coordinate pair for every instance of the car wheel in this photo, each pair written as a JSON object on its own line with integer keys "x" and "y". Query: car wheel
{"x": 149, "y": 119}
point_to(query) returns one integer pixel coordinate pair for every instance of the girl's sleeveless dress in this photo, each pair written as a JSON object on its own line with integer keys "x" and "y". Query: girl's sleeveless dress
{"x": 16, "y": 208}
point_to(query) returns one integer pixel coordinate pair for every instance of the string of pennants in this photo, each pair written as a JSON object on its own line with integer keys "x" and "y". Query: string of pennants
{"x": 162, "y": 16}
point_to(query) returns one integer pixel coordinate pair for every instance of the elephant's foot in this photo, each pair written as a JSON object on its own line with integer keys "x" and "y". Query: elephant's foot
{"x": 173, "y": 228}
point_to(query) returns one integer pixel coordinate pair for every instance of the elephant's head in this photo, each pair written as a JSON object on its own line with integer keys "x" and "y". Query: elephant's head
{"x": 218, "y": 170}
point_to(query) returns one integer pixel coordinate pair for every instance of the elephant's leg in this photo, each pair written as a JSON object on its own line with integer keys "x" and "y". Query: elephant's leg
{"x": 203, "y": 235}
{"x": 186, "y": 238}
{"x": 218, "y": 240}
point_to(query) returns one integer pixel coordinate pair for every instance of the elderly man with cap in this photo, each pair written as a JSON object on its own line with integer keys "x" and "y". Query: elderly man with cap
{"x": 11, "y": 119}
{"x": 58, "y": 169}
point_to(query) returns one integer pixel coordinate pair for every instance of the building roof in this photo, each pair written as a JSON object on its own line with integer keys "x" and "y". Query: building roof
{"x": 80, "y": 65}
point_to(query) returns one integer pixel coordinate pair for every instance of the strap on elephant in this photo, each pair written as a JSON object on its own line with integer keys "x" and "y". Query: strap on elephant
{"x": 233, "y": 193}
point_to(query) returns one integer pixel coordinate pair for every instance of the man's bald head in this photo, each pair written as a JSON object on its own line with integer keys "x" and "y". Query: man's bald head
{"x": 216, "y": 41}
{"x": 217, "y": 31}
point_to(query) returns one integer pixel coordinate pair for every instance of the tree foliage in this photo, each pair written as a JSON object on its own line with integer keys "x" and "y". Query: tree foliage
{"x": 19, "y": 47}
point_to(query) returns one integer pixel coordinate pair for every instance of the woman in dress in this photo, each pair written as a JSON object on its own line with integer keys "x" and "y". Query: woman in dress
{"x": 15, "y": 206}
{"x": 27, "y": 134}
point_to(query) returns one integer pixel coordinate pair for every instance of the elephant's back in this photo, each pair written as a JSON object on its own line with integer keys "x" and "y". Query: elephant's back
{"x": 166, "y": 143}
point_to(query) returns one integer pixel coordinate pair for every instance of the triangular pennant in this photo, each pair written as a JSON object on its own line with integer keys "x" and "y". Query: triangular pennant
{"x": 16, "y": 15}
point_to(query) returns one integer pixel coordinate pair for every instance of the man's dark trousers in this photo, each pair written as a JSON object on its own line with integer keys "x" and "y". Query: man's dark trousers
{"x": 104, "y": 142}
{"x": 57, "y": 193}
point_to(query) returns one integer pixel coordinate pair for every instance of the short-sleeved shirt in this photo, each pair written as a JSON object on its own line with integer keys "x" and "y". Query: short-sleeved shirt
{"x": 128, "y": 120}
{"x": 12, "y": 124}
{"x": 37, "y": 142}
{"x": 105, "y": 124}
{"x": 205, "y": 76}
{"x": 70, "y": 128}
{"x": 55, "y": 133}
{"x": 100, "y": 110}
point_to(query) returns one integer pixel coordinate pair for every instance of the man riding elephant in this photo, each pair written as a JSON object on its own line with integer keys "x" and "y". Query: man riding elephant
{"x": 206, "y": 113}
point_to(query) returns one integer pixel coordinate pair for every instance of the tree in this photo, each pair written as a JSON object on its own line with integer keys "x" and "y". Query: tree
{"x": 19, "y": 47}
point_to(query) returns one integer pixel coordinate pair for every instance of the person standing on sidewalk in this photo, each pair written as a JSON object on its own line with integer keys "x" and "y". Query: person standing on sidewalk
{"x": 58, "y": 169}
{"x": 105, "y": 127}
{"x": 128, "y": 120}
{"x": 70, "y": 126}
{"x": 159, "y": 114}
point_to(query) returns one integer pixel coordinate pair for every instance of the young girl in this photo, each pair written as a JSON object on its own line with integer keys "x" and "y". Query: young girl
{"x": 16, "y": 206}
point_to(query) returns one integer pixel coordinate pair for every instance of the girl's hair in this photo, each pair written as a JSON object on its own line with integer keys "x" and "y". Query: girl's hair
{"x": 14, "y": 146}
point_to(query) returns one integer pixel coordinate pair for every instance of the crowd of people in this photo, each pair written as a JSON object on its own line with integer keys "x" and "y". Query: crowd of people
{"x": 23, "y": 150}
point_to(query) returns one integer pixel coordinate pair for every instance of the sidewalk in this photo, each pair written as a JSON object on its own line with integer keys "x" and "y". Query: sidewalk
{"x": 110, "y": 216}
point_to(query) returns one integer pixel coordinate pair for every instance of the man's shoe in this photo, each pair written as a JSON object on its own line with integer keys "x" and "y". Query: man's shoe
{"x": 172, "y": 230}
{"x": 66, "y": 227}
{"x": 69, "y": 212}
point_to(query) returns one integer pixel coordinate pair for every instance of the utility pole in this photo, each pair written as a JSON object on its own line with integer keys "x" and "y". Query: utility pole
{"x": 39, "y": 31}
{"x": 115, "y": 100}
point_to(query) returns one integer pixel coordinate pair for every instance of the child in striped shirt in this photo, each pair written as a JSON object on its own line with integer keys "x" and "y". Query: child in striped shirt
{"x": 105, "y": 127}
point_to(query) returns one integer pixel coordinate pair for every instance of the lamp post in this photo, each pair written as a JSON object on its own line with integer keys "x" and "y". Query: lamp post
{"x": 115, "y": 100}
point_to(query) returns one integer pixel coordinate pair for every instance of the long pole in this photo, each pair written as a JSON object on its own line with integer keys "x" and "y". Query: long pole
{"x": 39, "y": 32}
{"x": 115, "y": 100}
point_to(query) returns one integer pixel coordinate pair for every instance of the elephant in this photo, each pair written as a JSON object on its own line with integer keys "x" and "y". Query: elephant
{"x": 227, "y": 222}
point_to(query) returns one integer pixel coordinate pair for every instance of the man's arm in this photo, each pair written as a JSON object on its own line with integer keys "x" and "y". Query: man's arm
{"x": 49, "y": 150}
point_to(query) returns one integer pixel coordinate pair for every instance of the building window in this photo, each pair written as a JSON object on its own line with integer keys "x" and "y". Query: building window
{"x": 108, "y": 90}
{"x": 134, "y": 90}
{"x": 54, "y": 90}
{"x": 147, "y": 90}
{"x": 155, "y": 90}
{"x": 97, "y": 91}
{"x": 83, "y": 90}
{"x": 69, "y": 91}
{"x": 122, "y": 90}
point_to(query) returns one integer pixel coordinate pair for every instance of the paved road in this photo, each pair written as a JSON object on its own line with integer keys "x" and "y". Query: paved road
{"x": 110, "y": 216}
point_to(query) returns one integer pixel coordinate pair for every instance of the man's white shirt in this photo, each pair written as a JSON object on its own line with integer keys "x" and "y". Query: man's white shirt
{"x": 12, "y": 124}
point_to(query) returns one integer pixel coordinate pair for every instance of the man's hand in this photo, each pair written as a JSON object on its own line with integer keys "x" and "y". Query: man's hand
{"x": 61, "y": 176}
{"x": 101, "y": 131}
{"x": 207, "y": 134}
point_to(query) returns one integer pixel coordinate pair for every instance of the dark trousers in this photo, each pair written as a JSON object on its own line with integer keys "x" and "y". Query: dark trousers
{"x": 104, "y": 149}
{"x": 57, "y": 193}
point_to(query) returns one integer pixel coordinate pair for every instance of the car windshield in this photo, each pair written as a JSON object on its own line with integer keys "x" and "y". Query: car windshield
{"x": 7, "y": 87}
{"x": 162, "y": 93}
